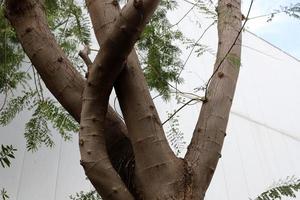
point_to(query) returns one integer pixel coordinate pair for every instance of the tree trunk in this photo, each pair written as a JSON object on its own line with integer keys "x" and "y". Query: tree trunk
{"x": 158, "y": 173}
{"x": 61, "y": 78}
{"x": 210, "y": 131}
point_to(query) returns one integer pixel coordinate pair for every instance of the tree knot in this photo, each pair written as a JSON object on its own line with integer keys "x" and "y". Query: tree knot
{"x": 138, "y": 4}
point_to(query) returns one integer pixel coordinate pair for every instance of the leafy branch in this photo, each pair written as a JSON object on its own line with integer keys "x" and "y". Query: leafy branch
{"x": 15, "y": 106}
{"x": 7, "y": 152}
{"x": 4, "y": 194}
{"x": 92, "y": 195}
{"x": 292, "y": 10}
{"x": 174, "y": 135}
{"x": 37, "y": 131}
{"x": 286, "y": 188}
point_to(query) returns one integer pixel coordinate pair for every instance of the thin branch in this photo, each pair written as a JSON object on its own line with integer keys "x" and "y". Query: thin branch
{"x": 35, "y": 83}
{"x": 61, "y": 23}
{"x": 196, "y": 4}
{"x": 179, "y": 109}
{"x": 184, "y": 16}
{"x": 40, "y": 86}
{"x": 194, "y": 46}
{"x": 276, "y": 12}
{"x": 84, "y": 54}
{"x": 265, "y": 15}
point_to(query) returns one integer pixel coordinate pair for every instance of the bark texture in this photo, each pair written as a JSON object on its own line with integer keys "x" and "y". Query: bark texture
{"x": 61, "y": 78}
{"x": 158, "y": 173}
{"x": 210, "y": 131}
{"x": 149, "y": 143}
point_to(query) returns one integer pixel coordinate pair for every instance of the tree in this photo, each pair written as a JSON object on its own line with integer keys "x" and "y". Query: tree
{"x": 131, "y": 159}
{"x": 6, "y": 153}
{"x": 285, "y": 188}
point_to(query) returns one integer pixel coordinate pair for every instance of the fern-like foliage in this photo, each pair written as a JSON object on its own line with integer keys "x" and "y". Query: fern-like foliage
{"x": 174, "y": 135}
{"x": 45, "y": 112}
{"x": 70, "y": 25}
{"x": 37, "y": 132}
{"x": 285, "y": 188}
{"x": 68, "y": 22}
{"x": 6, "y": 153}
{"x": 4, "y": 194}
{"x": 158, "y": 53}
{"x": 11, "y": 55}
{"x": 292, "y": 10}
{"x": 60, "y": 119}
{"x": 207, "y": 8}
{"x": 92, "y": 195}
{"x": 15, "y": 106}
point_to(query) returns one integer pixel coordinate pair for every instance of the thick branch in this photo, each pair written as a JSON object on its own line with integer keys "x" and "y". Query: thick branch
{"x": 205, "y": 148}
{"x": 84, "y": 54}
{"x": 60, "y": 77}
{"x": 149, "y": 142}
{"x": 104, "y": 71}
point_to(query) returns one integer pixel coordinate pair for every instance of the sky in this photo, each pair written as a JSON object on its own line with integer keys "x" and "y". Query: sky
{"x": 283, "y": 31}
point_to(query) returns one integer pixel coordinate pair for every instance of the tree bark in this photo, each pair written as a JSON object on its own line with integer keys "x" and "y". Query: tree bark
{"x": 136, "y": 102}
{"x": 60, "y": 77}
{"x": 146, "y": 134}
{"x": 205, "y": 148}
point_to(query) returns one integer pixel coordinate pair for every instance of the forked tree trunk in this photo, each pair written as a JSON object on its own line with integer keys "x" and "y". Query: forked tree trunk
{"x": 60, "y": 77}
{"x": 158, "y": 173}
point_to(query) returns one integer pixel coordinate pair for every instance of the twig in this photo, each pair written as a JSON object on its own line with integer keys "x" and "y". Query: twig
{"x": 84, "y": 54}
{"x": 184, "y": 16}
{"x": 184, "y": 105}
{"x": 194, "y": 46}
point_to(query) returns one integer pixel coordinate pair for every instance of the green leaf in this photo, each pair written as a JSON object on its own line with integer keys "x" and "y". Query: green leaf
{"x": 6, "y": 161}
{"x": 59, "y": 118}
{"x": 37, "y": 133}
{"x": 14, "y": 106}
{"x": 11, "y": 155}
{"x": 285, "y": 188}
{"x": 91, "y": 195}
{"x": 1, "y": 161}
{"x": 6, "y": 153}
{"x": 158, "y": 52}
{"x": 4, "y": 194}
